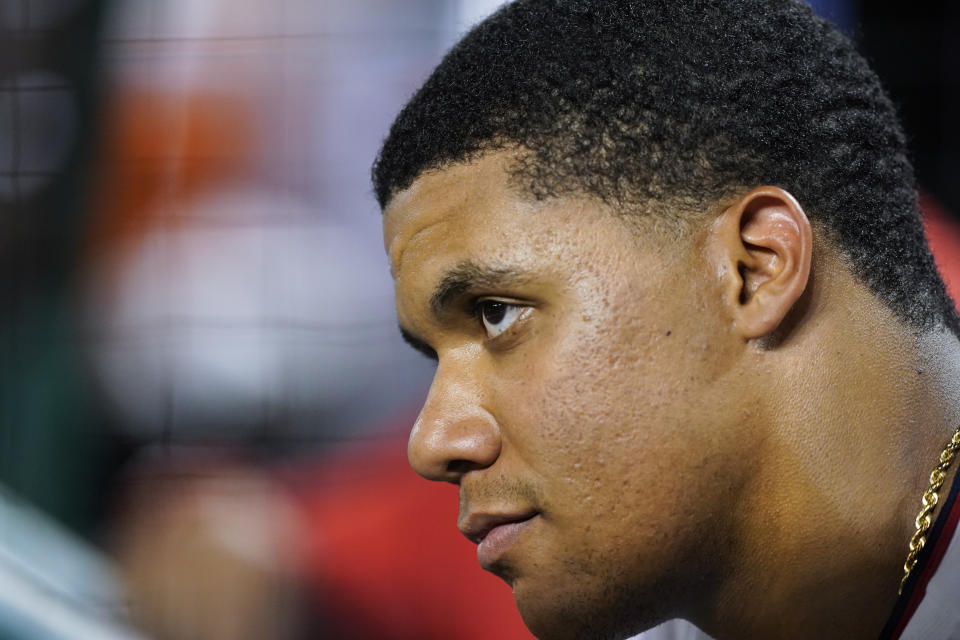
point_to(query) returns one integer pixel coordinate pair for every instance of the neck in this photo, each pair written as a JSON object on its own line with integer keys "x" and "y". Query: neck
{"x": 827, "y": 517}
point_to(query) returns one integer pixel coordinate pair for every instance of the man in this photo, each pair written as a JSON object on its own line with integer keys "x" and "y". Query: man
{"x": 694, "y": 356}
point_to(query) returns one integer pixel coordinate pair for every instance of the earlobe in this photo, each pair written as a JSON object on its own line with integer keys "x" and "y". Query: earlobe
{"x": 764, "y": 244}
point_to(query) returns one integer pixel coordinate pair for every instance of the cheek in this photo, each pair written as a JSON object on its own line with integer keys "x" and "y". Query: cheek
{"x": 607, "y": 421}
{"x": 607, "y": 410}
{"x": 590, "y": 414}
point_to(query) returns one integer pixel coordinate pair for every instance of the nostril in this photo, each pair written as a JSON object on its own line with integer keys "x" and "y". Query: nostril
{"x": 461, "y": 466}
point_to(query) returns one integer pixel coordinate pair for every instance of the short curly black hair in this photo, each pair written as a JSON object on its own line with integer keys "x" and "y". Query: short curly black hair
{"x": 683, "y": 101}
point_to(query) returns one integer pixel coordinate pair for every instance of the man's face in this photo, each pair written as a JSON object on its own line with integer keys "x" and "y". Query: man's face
{"x": 582, "y": 401}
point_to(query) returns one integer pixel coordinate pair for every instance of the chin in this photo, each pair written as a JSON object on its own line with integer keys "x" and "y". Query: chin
{"x": 550, "y": 616}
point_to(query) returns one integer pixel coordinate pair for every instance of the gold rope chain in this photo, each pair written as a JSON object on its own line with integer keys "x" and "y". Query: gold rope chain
{"x": 930, "y": 499}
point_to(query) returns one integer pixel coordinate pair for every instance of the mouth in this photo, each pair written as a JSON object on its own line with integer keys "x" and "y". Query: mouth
{"x": 494, "y": 534}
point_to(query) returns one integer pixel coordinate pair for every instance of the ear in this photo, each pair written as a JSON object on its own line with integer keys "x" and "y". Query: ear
{"x": 763, "y": 246}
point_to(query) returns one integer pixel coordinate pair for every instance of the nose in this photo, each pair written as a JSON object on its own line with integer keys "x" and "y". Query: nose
{"x": 453, "y": 434}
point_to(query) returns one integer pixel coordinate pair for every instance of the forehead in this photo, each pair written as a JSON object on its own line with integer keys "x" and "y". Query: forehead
{"x": 473, "y": 208}
{"x": 440, "y": 201}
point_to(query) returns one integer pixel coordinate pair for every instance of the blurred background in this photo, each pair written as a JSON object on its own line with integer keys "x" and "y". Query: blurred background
{"x": 204, "y": 398}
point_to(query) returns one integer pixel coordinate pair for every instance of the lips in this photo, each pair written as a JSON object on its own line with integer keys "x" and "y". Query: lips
{"x": 495, "y": 533}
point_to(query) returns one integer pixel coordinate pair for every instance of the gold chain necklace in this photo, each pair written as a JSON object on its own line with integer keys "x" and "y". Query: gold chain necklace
{"x": 930, "y": 499}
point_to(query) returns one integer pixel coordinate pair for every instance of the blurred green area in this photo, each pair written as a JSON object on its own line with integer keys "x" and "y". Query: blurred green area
{"x": 53, "y": 445}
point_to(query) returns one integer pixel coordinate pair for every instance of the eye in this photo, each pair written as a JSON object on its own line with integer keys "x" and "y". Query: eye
{"x": 497, "y": 316}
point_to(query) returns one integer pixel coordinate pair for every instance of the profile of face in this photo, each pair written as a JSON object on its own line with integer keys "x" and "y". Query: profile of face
{"x": 588, "y": 399}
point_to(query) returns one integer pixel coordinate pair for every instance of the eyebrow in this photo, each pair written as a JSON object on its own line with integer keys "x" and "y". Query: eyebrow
{"x": 470, "y": 275}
